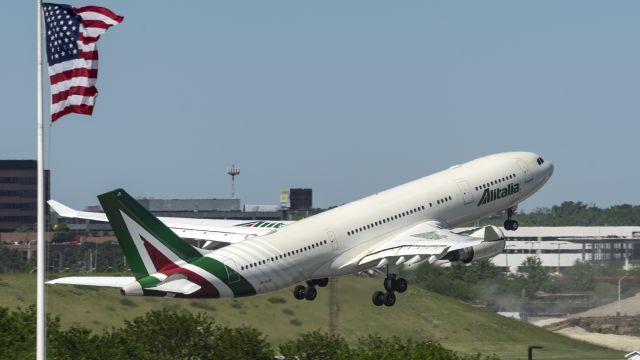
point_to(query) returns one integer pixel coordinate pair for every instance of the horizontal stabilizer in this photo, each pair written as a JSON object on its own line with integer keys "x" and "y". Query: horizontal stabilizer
{"x": 177, "y": 286}
{"x": 108, "y": 281}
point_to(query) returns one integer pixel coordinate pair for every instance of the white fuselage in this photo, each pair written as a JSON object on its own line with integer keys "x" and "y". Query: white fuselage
{"x": 325, "y": 244}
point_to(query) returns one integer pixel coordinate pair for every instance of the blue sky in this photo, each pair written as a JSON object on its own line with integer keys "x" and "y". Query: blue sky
{"x": 348, "y": 98}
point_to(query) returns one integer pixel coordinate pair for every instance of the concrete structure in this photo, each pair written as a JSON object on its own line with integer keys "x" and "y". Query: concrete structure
{"x": 18, "y": 193}
{"x": 301, "y": 199}
{"x": 562, "y": 246}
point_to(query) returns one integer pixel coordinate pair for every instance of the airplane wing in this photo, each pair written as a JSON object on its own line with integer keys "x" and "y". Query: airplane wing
{"x": 212, "y": 230}
{"x": 428, "y": 240}
{"x": 108, "y": 281}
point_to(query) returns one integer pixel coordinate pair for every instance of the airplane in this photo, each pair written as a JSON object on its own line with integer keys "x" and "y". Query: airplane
{"x": 405, "y": 225}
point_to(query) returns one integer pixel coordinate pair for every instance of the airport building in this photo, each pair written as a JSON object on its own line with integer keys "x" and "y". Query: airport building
{"x": 231, "y": 209}
{"x": 562, "y": 246}
{"x": 19, "y": 193}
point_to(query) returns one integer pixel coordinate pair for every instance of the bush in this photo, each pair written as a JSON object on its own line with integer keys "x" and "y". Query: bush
{"x": 316, "y": 345}
{"x": 169, "y": 335}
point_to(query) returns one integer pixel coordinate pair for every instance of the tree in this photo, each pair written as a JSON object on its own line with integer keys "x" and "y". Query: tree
{"x": 535, "y": 275}
{"x": 581, "y": 276}
{"x": 169, "y": 335}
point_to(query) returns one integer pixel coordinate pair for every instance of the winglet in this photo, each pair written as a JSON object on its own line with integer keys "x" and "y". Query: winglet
{"x": 65, "y": 211}
{"x": 62, "y": 210}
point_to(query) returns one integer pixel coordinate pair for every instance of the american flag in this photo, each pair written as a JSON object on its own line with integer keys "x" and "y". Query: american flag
{"x": 72, "y": 34}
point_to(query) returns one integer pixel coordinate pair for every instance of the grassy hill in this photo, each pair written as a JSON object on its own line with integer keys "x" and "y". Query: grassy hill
{"x": 418, "y": 313}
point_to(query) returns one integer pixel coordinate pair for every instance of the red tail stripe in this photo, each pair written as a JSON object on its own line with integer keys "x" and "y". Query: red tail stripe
{"x": 161, "y": 262}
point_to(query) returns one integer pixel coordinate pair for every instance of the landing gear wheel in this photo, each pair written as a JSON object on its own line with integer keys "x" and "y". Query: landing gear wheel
{"x": 389, "y": 283}
{"x": 400, "y": 285}
{"x": 507, "y": 224}
{"x": 378, "y": 298}
{"x": 310, "y": 293}
{"x": 299, "y": 292}
{"x": 389, "y": 298}
{"x": 510, "y": 224}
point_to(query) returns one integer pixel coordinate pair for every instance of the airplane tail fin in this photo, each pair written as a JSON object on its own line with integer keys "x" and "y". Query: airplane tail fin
{"x": 148, "y": 245}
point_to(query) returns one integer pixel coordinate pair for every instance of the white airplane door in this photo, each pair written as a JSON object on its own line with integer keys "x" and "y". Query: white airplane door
{"x": 465, "y": 190}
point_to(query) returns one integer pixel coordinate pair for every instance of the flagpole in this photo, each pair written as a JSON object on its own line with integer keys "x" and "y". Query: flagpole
{"x": 41, "y": 313}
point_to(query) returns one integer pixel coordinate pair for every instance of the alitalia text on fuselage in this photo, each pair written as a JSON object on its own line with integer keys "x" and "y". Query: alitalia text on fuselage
{"x": 490, "y": 195}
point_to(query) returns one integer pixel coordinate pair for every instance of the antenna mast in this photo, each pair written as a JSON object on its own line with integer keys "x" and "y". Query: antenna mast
{"x": 233, "y": 171}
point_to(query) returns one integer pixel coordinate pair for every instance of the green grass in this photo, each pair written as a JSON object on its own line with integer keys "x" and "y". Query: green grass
{"x": 418, "y": 314}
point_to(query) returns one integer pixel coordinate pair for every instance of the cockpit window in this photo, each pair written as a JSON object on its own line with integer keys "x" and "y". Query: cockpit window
{"x": 540, "y": 161}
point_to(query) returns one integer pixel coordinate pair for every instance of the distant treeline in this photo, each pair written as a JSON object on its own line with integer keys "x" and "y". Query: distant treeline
{"x": 571, "y": 213}
{"x": 160, "y": 335}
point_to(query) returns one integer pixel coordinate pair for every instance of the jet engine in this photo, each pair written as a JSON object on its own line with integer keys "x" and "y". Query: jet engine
{"x": 492, "y": 245}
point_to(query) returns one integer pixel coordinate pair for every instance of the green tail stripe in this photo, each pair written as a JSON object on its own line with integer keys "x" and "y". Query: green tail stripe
{"x": 236, "y": 282}
{"x": 148, "y": 281}
{"x": 118, "y": 200}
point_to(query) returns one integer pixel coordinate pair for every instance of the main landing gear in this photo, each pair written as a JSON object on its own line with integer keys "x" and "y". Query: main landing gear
{"x": 391, "y": 285}
{"x": 510, "y": 224}
{"x": 309, "y": 292}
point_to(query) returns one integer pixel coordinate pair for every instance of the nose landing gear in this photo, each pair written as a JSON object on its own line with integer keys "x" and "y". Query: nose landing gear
{"x": 511, "y": 224}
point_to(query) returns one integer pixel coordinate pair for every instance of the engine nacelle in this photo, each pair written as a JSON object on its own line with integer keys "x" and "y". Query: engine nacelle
{"x": 485, "y": 249}
{"x": 465, "y": 255}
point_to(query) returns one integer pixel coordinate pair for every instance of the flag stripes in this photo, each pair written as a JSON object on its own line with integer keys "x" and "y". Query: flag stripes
{"x": 72, "y": 55}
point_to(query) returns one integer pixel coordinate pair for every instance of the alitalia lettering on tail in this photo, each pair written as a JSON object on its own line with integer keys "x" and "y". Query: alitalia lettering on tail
{"x": 404, "y": 225}
{"x": 490, "y": 195}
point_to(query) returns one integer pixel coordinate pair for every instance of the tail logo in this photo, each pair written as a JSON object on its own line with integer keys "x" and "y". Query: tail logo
{"x": 155, "y": 255}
